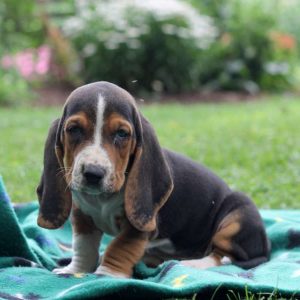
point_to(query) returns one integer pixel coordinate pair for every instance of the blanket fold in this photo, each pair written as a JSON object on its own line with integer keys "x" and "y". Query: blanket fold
{"x": 28, "y": 253}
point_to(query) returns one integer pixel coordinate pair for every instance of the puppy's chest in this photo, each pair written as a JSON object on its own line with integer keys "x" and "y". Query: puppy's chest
{"x": 107, "y": 213}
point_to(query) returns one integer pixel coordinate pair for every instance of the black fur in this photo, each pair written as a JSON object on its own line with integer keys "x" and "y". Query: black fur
{"x": 194, "y": 210}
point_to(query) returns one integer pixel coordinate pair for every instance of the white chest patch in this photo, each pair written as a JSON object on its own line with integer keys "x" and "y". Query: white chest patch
{"x": 104, "y": 211}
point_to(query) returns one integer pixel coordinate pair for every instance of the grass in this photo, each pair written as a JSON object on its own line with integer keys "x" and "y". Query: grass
{"x": 253, "y": 146}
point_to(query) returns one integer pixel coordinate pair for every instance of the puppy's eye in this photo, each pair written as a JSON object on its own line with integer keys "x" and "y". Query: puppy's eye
{"x": 122, "y": 134}
{"x": 74, "y": 130}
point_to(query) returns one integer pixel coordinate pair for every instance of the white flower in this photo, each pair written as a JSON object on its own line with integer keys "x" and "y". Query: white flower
{"x": 276, "y": 68}
{"x": 89, "y": 49}
{"x": 133, "y": 32}
{"x": 73, "y": 26}
{"x": 128, "y": 16}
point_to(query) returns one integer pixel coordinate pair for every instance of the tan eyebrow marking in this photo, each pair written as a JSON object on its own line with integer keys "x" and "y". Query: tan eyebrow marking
{"x": 116, "y": 121}
{"x": 79, "y": 118}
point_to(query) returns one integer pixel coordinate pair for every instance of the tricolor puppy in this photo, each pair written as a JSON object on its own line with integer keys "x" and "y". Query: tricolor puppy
{"x": 103, "y": 162}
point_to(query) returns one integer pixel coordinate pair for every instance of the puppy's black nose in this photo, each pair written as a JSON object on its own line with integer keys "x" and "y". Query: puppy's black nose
{"x": 93, "y": 174}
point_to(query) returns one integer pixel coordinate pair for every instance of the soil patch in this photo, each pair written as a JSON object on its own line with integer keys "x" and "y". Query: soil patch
{"x": 56, "y": 95}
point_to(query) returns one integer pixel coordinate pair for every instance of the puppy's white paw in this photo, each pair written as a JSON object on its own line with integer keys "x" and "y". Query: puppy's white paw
{"x": 102, "y": 270}
{"x": 73, "y": 269}
{"x": 206, "y": 262}
{"x": 66, "y": 270}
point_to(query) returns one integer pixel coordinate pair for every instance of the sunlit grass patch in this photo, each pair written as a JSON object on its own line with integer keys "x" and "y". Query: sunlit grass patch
{"x": 254, "y": 146}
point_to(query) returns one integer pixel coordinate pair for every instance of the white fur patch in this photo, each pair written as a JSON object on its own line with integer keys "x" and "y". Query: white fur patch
{"x": 99, "y": 121}
{"x": 86, "y": 254}
{"x": 103, "y": 210}
{"x": 226, "y": 260}
{"x": 95, "y": 154}
{"x": 203, "y": 263}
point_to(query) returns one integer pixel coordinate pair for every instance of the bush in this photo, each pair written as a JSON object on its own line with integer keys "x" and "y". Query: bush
{"x": 289, "y": 22}
{"x": 19, "y": 29}
{"x": 19, "y": 26}
{"x": 14, "y": 90}
{"x": 250, "y": 53}
{"x": 142, "y": 45}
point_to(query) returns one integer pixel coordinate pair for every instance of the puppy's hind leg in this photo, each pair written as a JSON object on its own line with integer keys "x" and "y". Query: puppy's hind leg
{"x": 239, "y": 237}
{"x": 241, "y": 234}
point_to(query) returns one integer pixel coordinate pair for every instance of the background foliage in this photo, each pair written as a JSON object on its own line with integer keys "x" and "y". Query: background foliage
{"x": 19, "y": 29}
{"x": 154, "y": 46}
{"x": 19, "y": 26}
{"x": 252, "y": 52}
{"x": 150, "y": 42}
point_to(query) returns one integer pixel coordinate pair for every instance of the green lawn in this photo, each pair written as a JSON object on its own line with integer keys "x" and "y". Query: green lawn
{"x": 254, "y": 146}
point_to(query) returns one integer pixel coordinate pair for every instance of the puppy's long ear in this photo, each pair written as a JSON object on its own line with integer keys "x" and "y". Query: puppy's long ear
{"x": 53, "y": 194}
{"x": 149, "y": 182}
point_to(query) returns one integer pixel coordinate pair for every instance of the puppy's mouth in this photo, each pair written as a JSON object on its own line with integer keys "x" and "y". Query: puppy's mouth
{"x": 108, "y": 186}
{"x": 91, "y": 190}
{"x": 100, "y": 189}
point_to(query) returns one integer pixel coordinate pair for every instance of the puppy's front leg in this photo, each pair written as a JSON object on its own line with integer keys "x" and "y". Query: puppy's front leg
{"x": 124, "y": 252}
{"x": 86, "y": 240}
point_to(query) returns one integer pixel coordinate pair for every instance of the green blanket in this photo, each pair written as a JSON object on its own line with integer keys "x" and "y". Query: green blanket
{"x": 29, "y": 253}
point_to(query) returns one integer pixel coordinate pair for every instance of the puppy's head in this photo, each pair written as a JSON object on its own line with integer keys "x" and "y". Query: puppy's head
{"x": 100, "y": 145}
{"x": 97, "y": 138}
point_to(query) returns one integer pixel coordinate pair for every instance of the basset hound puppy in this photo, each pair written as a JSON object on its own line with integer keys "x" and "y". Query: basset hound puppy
{"x": 103, "y": 162}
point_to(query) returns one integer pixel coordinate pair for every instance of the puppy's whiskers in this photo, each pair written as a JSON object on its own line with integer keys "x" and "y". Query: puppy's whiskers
{"x": 62, "y": 170}
{"x": 67, "y": 174}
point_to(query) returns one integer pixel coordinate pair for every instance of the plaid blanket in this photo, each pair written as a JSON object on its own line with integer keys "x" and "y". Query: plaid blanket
{"x": 29, "y": 253}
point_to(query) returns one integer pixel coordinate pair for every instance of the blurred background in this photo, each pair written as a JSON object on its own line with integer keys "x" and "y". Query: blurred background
{"x": 174, "y": 55}
{"x": 154, "y": 48}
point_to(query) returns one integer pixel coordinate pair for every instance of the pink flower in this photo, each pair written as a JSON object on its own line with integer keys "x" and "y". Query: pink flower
{"x": 29, "y": 62}
{"x": 42, "y": 65}
{"x": 24, "y": 63}
{"x": 41, "y": 68}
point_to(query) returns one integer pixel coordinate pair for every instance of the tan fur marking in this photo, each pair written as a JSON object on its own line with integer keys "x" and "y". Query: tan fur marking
{"x": 115, "y": 121}
{"x": 59, "y": 155}
{"x": 228, "y": 228}
{"x": 80, "y": 118}
{"x": 131, "y": 188}
{"x": 165, "y": 197}
{"x": 72, "y": 150}
{"x": 44, "y": 223}
{"x": 65, "y": 205}
{"x": 118, "y": 154}
{"x": 82, "y": 224}
{"x": 125, "y": 250}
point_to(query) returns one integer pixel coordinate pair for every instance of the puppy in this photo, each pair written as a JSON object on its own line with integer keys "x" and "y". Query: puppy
{"x": 103, "y": 162}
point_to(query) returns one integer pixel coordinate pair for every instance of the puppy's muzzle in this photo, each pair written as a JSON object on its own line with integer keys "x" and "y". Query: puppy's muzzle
{"x": 93, "y": 174}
